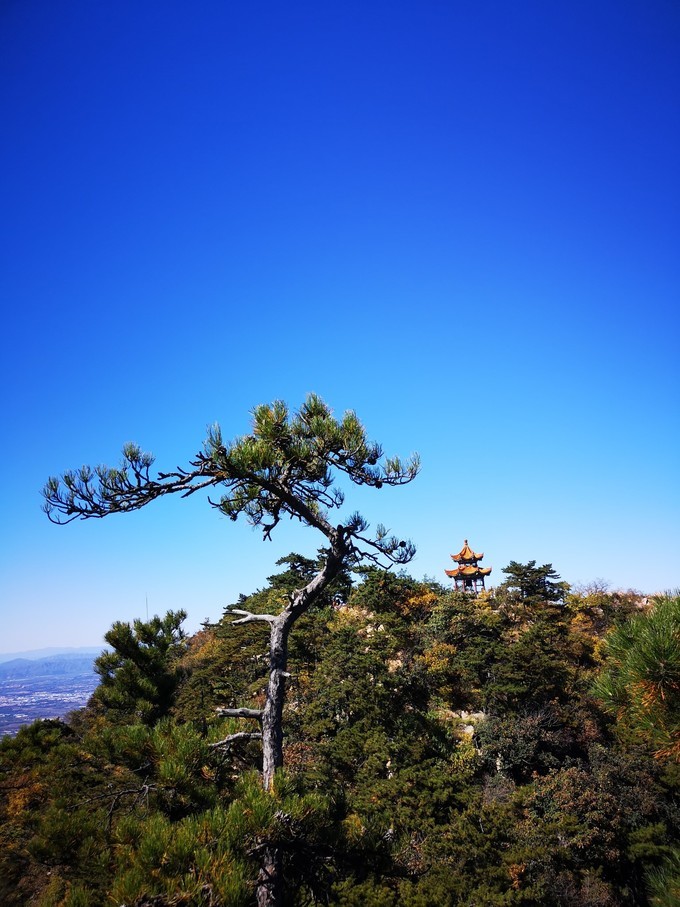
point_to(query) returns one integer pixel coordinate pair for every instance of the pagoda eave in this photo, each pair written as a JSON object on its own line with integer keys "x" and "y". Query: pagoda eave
{"x": 469, "y": 571}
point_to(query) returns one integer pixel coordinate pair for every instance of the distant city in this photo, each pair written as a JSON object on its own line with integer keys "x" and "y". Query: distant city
{"x": 41, "y": 685}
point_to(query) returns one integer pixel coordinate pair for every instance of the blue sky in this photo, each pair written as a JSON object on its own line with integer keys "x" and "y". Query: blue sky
{"x": 460, "y": 220}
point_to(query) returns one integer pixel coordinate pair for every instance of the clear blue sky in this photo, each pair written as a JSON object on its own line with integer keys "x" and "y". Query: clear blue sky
{"x": 461, "y": 220}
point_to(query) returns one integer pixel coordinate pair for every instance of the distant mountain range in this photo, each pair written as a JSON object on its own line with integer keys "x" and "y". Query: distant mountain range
{"x": 52, "y": 666}
{"x": 33, "y": 654}
{"x": 37, "y": 685}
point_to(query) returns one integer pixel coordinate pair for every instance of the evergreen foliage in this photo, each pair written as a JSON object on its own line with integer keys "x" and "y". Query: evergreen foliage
{"x": 535, "y": 584}
{"x": 641, "y": 678}
{"x": 140, "y": 676}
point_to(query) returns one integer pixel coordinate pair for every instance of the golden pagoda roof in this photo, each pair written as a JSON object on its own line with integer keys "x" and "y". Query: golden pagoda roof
{"x": 466, "y": 555}
{"x": 469, "y": 570}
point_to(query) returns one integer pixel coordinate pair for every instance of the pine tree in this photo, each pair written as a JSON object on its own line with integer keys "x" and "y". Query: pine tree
{"x": 286, "y": 467}
{"x": 140, "y": 676}
{"x": 535, "y": 584}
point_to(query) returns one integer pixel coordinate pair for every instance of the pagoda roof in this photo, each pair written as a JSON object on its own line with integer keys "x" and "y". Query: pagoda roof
{"x": 466, "y": 555}
{"x": 469, "y": 570}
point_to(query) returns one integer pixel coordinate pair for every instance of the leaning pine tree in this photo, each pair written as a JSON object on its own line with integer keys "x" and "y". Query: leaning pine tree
{"x": 286, "y": 467}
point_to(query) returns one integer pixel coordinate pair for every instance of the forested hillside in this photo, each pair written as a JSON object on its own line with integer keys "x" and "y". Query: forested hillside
{"x": 520, "y": 747}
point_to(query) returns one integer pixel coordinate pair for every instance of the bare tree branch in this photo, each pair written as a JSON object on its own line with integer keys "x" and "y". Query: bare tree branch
{"x": 240, "y": 713}
{"x": 240, "y": 735}
{"x": 249, "y": 617}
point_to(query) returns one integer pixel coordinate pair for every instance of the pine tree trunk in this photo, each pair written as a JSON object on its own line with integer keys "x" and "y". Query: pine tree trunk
{"x": 272, "y": 714}
{"x": 269, "y": 890}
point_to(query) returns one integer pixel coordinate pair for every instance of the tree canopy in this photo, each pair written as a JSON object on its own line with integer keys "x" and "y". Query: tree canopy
{"x": 286, "y": 467}
{"x": 535, "y": 584}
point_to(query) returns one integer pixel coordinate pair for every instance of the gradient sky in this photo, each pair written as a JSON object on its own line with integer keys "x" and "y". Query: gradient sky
{"x": 459, "y": 219}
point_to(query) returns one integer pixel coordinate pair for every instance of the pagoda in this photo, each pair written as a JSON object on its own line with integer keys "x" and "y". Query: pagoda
{"x": 468, "y": 575}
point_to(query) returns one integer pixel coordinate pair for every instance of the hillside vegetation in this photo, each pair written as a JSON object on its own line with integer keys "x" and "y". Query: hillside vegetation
{"x": 516, "y": 748}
